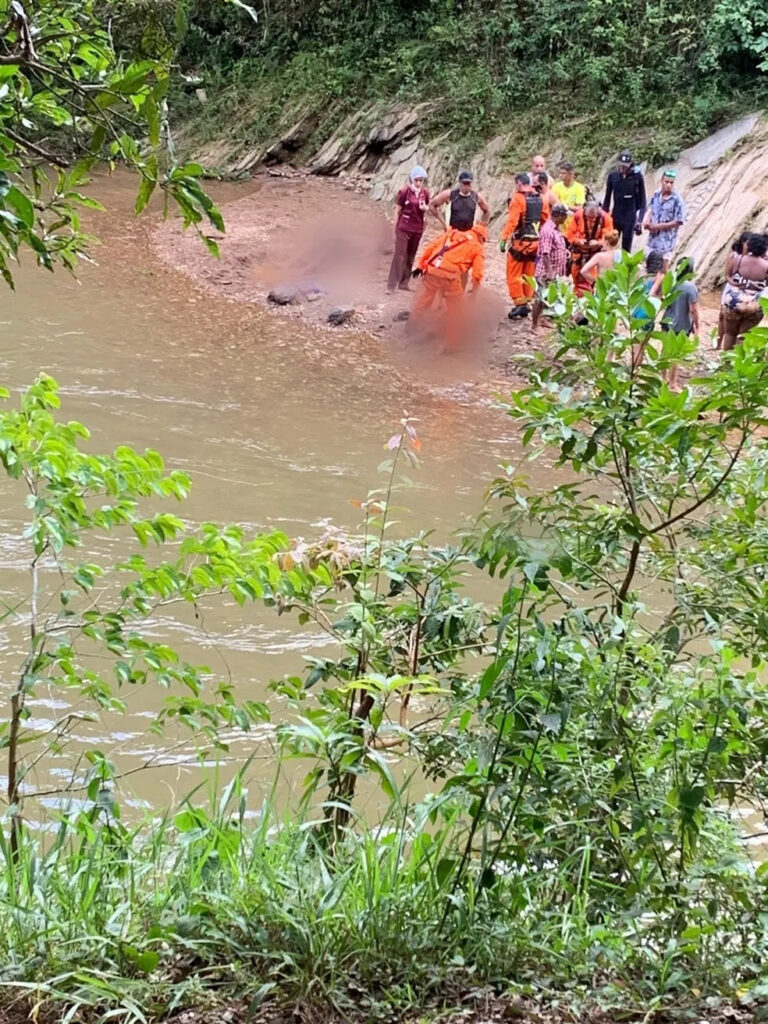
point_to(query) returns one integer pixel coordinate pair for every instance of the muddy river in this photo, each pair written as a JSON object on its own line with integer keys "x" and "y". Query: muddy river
{"x": 278, "y": 425}
{"x": 271, "y": 439}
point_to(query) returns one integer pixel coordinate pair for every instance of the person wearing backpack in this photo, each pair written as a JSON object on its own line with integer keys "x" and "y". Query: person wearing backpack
{"x": 464, "y": 201}
{"x": 528, "y": 210}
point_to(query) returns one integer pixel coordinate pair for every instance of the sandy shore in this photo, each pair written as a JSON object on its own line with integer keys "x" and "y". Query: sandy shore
{"x": 330, "y": 242}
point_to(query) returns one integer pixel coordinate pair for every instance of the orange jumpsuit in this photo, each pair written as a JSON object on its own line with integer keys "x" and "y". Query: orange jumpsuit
{"x": 521, "y": 253}
{"x": 580, "y": 232}
{"x": 444, "y": 261}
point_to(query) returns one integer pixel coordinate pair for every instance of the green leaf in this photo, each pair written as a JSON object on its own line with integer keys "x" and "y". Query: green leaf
{"x": 146, "y": 188}
{"x": 22, "y": 205}
{"x": 147, "y": 961}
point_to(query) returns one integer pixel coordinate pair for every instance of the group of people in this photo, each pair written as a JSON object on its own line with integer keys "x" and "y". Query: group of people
{"x": 553, "y": 229}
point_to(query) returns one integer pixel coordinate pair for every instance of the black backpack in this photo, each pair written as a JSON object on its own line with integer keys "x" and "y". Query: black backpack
{"x": 528, "y": 230}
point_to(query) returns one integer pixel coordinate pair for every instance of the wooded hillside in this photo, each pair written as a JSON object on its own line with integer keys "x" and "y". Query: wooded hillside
{"x": 674, "y": 69}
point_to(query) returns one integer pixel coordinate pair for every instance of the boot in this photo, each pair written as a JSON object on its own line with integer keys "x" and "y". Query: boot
{"x": 518, "y": 312}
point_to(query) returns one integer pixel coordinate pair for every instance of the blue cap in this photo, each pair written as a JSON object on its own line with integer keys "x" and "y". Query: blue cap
{"x": 418, "y": 172}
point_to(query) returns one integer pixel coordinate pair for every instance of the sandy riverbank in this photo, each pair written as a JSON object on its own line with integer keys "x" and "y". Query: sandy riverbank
{"x": 326, "y": 237}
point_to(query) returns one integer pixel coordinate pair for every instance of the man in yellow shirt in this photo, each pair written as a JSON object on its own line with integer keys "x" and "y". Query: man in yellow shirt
{"x": 569, "y": 192}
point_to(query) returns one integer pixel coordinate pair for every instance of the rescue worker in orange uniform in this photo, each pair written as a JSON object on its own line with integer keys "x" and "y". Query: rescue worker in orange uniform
{"x": 585, "y": 237}
{"x": 528, "y": 210}
{"x": 442, "y": 265}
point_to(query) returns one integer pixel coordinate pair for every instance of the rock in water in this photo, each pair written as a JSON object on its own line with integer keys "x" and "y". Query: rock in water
{"x": 285, "y": 295}
{"x": 340, "y": 315}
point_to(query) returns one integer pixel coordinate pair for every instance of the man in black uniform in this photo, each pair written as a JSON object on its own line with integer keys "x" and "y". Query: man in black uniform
{"x": 627, "y": 188}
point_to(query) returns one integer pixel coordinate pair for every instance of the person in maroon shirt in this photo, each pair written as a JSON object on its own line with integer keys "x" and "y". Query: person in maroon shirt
{"x": 411, "y": 204}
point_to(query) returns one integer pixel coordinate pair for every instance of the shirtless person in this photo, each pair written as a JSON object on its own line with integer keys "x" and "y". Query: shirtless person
{"x": 539, "y": 166}
{"x": 604, "y": 260}
{"x": 542, "y": 186}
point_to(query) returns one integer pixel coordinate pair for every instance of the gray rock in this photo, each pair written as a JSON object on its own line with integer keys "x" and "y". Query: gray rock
{"x": 285, "y": 295}
{"x": 338, "y": 153}
{"x": 405, "y": 153}
{"x": 404, "y": 314}
{"x": 248, "y": 160}
{"x": 365, "y": 138}
{"x": 292, "y": 140}
{"x": 711, "y": 149}
{"x": 340, "y": 315}
{"x": 378, "y": 191}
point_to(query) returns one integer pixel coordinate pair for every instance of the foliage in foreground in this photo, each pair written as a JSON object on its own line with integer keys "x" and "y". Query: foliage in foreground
{"x": 134, "y": 925}
{"x": 69, "y": 100}
{"x": 585, "y": 745}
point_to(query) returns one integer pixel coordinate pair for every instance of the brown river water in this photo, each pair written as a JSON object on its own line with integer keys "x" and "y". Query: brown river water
{"x": 278, "y": 429}
{"x": 271, "y": 439}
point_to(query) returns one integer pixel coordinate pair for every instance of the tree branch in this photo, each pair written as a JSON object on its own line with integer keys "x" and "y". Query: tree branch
{"x": 710, "y": 493}
{"x": 37, "y": 150}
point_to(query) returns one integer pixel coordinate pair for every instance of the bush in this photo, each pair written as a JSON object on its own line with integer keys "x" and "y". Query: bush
{"x": 584, "y": 746}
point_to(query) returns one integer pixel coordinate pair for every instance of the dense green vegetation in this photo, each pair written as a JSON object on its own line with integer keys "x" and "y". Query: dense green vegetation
{"x": 655, "y": 73}
{"x": 559, "y": 774}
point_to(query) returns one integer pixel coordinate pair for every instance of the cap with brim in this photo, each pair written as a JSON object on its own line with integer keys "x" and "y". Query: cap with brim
{"x": 466, "y": 176}
{"x": 670, "y": 173}
{"x": 625, "y": 157}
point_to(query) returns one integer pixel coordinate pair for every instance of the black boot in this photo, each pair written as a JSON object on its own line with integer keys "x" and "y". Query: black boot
{"x": 518, "y": 312}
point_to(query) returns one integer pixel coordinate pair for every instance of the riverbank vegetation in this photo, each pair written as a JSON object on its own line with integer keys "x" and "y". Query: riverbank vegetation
{"x": 562, "y": 775}
{"x": 588, "y": 76}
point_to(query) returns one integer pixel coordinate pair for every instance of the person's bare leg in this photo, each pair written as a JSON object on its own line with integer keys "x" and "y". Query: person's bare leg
{"x": 730, "y": 322}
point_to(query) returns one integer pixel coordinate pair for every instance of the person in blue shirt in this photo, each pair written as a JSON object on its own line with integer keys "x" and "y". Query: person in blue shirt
{"x": 654, "y": 275}
{"x": 664, "y": 217}
{"x": 682, "y": 313}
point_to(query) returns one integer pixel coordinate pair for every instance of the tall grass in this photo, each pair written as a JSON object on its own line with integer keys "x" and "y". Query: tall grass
{"x": 131, "y": 924}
